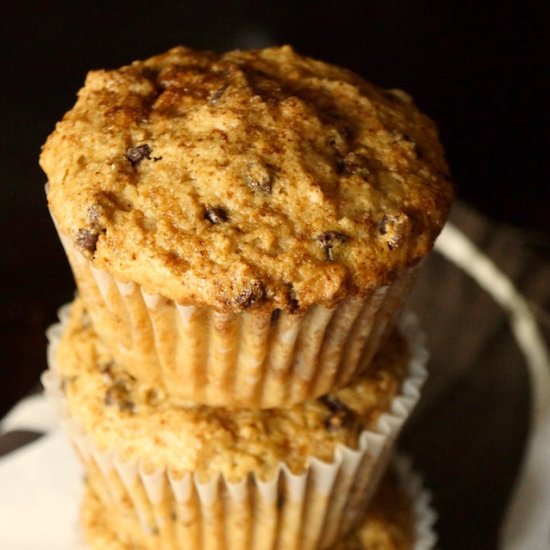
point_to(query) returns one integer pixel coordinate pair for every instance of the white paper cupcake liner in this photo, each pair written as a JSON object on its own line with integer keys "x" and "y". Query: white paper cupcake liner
{"x": 103, "y": 535}
{"x": 306, "y": 511}
{"x": 256, "y": 358}
{"x": 424, "y": 516}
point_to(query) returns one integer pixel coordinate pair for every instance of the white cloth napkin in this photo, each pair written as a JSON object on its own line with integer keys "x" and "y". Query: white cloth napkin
{"x": 40, "y": 489}
{"x": 527, "y": 522}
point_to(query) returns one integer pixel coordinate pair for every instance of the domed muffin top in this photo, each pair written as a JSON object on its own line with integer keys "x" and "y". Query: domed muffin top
{"x": 247, "y": 178}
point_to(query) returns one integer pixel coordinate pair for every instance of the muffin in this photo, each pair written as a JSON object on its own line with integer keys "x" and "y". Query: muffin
{"x": 244, "y": 227}
{"x": 395, "y": 520}
{"x": 388, "y": 523}
{"x": 299, "y": 477}
{"x": 399, "y": 516}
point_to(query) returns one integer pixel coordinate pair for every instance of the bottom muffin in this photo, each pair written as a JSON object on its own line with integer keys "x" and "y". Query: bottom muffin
{"x": 397, "y": 518}
{"x": 213, "y": 478}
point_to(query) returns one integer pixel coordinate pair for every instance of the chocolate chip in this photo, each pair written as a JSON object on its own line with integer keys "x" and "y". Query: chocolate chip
{"x": 150, "y": 74}
{"x": 332, "y": 403}
{"x": 136, "y": 154}
{"x": 340, "y": 415}
{"x": 118, "y": 395}
{"x": 215, "y": 215}
{"x": 251, "y": 295}
{"x": 328, "y": 240}
{"x": 86, "y": 240}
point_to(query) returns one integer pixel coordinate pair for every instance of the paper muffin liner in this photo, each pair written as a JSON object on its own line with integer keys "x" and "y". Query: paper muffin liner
{"x": 309, "y": 510}
{"x": 256, "y": 358}
{"x": 424, "y": 516}
{"x": 102, "y": 531}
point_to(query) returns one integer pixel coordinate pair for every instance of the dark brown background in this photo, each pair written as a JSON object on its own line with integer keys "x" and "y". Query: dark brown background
{"x": 479, "y": 69}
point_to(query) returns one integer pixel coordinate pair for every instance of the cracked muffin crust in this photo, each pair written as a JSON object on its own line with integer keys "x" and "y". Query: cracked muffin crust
{"x": 247, "y": 179}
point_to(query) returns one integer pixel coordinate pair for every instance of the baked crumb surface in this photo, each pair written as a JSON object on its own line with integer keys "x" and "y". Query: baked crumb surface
{"x": 141, "y": 422}
{"x": 246, "y": 179}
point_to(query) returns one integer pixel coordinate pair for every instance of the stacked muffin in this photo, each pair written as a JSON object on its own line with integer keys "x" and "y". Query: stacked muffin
{"x": 396, "y": 519}
{"x": 243, "y": 229}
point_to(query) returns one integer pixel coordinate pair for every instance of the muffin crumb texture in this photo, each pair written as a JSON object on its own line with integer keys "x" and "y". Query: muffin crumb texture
{"x": 246, "y": 179}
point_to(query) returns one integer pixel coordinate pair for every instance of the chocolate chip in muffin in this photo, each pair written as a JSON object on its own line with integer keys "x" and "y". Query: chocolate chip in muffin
{"x": 339, "y": 414}
{"x": 251, "y": 295}
{"x": 86, "y": 240}
{"x": 215, "y": 215}
{"x": 136, "y": 154}
{"x": 328, "y": 240}
{"x": 150, "y": 74}
{"x": 118, "y": 395}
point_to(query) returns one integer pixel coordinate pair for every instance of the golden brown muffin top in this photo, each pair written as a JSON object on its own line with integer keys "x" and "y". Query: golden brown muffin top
{"x": 246, "y": 178}
{"x": 121, "y": 413}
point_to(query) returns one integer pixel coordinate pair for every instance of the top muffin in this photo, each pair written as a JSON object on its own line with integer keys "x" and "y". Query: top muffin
{"x": 246, "y": 179}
